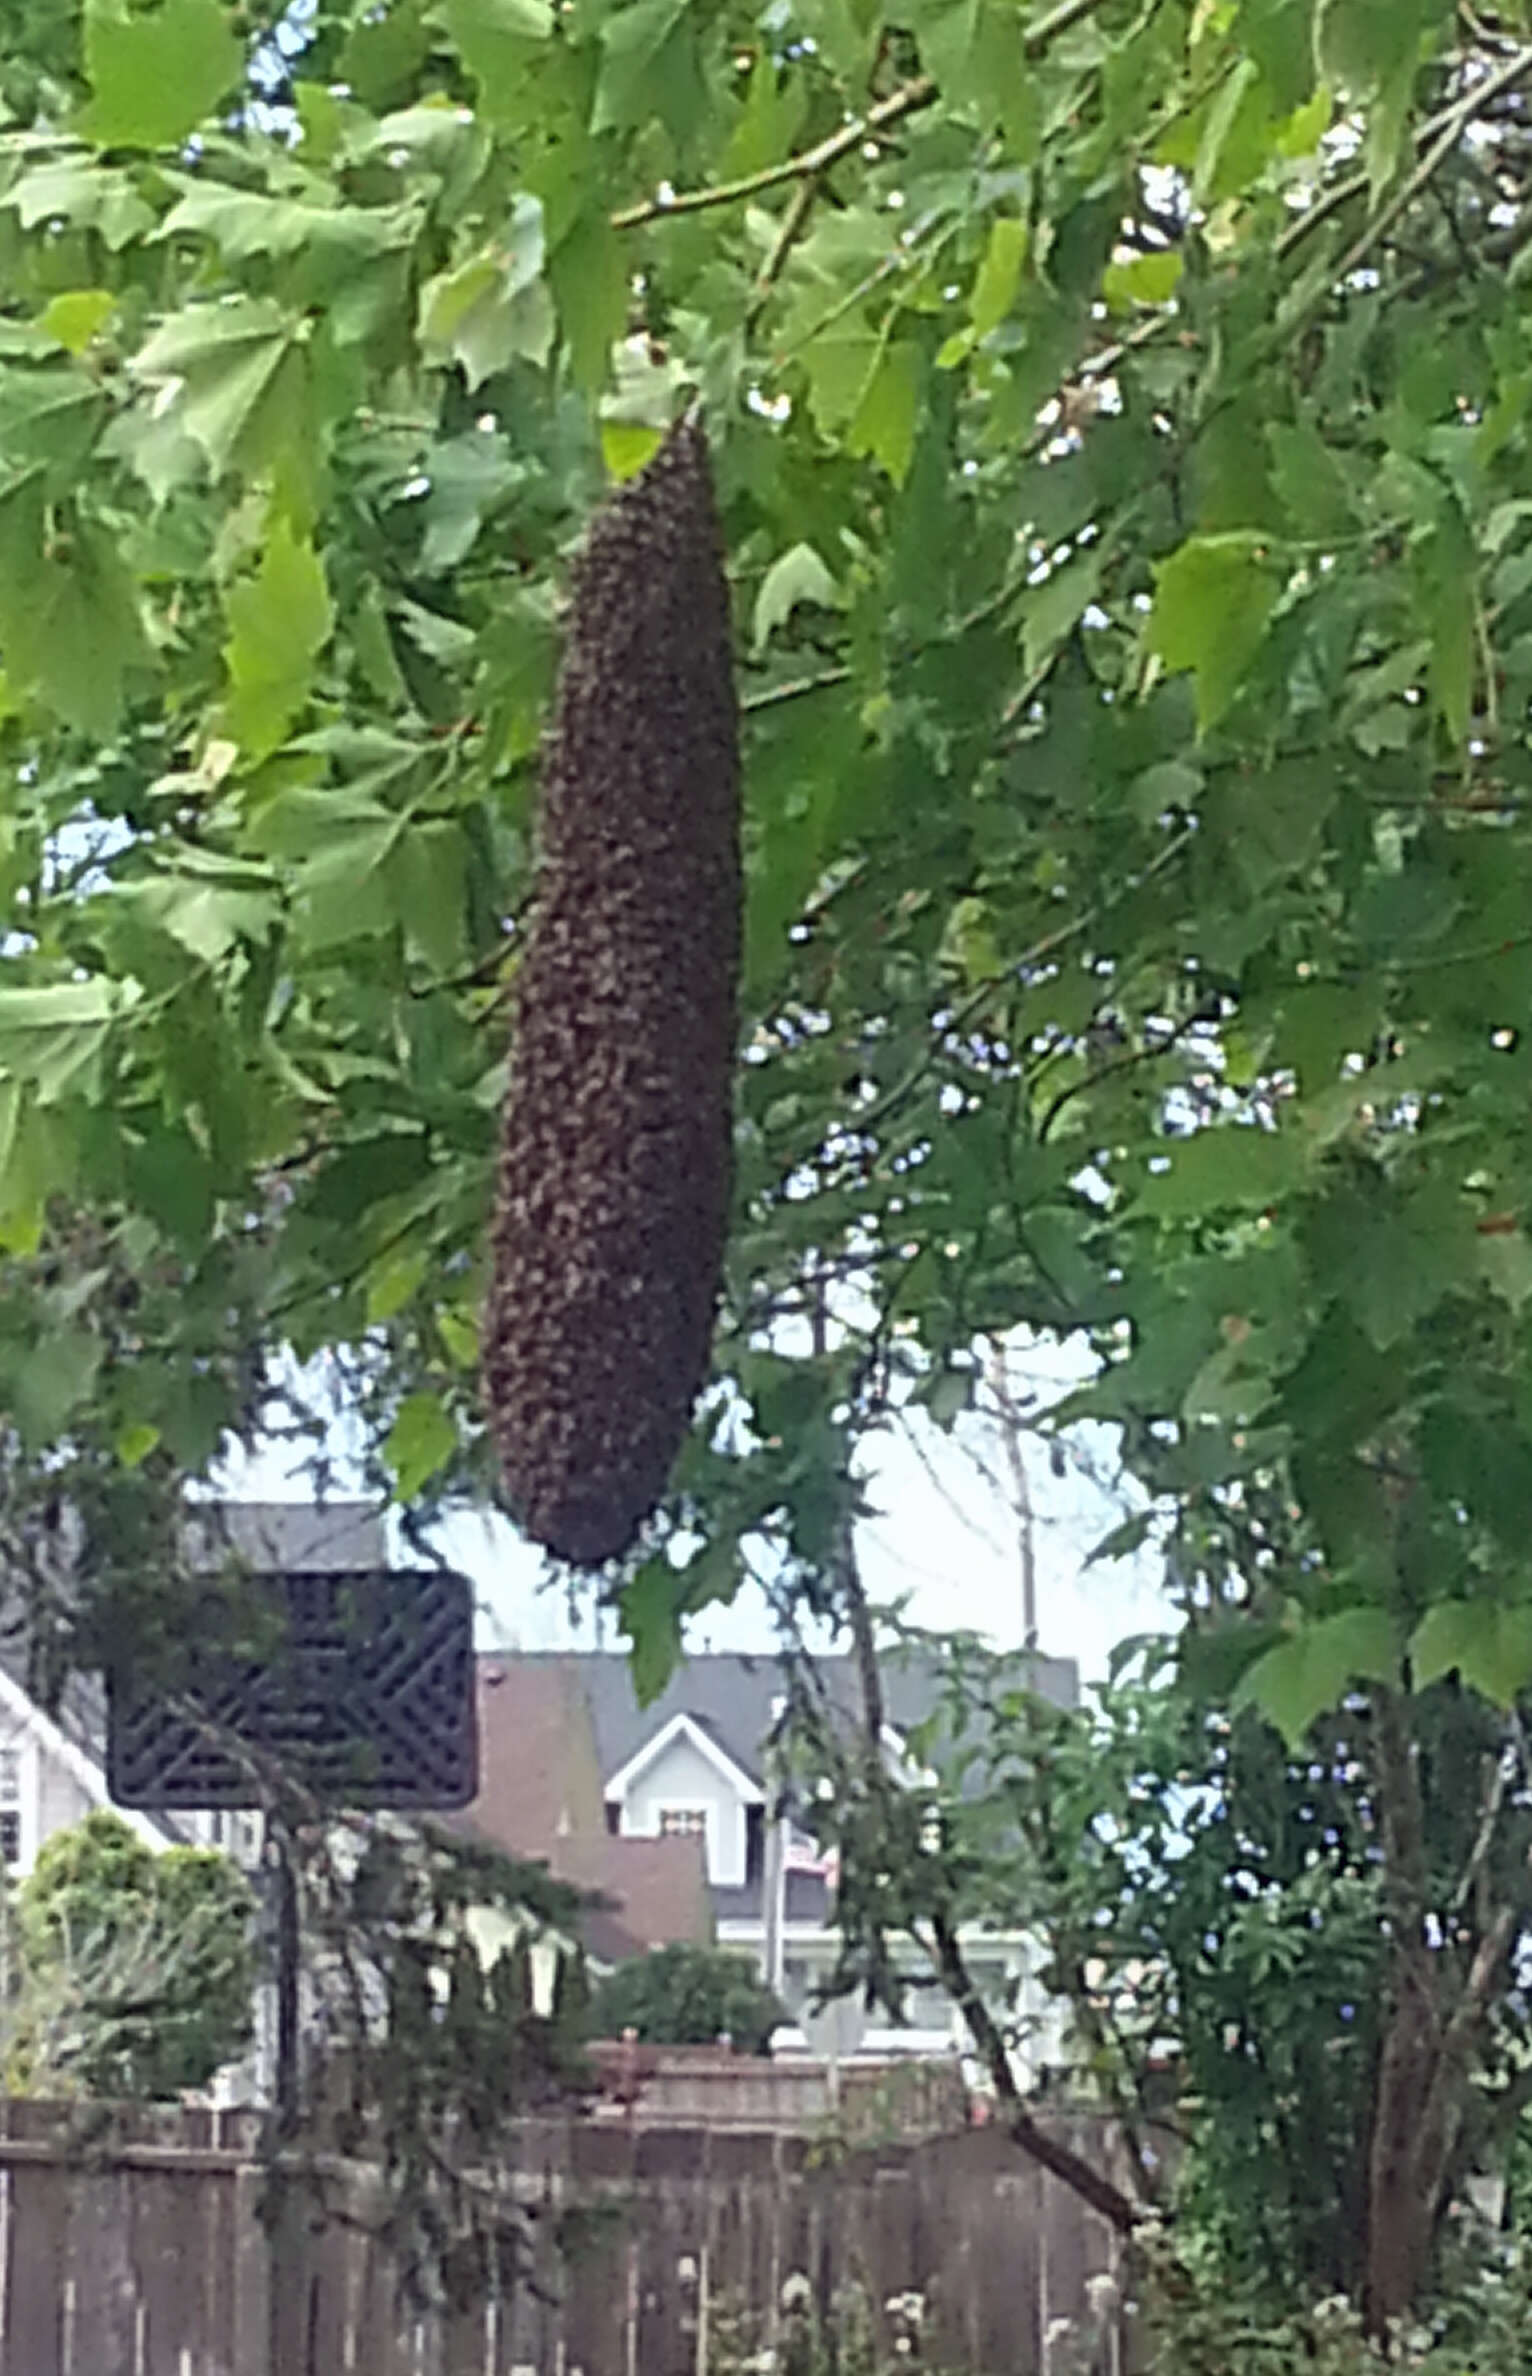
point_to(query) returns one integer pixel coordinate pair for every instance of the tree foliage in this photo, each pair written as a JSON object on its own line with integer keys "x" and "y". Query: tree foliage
{"x": 1121, "y": 420}
{"x": 132, "y": 1974}
{"x": 687, "y": 1996}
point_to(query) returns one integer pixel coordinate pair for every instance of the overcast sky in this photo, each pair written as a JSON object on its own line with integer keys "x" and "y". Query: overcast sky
{"x": 945, "y": 1542}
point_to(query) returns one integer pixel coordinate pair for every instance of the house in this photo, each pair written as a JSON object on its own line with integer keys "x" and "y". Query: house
{"x": 541, "y": 1797}
{"x": 560, "y": 1731}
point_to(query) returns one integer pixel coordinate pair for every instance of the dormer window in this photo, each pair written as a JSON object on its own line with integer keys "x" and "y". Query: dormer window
{"x": 683, "y": 1823}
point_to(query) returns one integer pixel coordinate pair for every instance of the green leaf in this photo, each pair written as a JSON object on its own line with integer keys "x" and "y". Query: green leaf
{"x": 1309, "y": 1673}
{"x": 87, "y": 196}
{"x": 231, "y": 378}
{"x": 1219, "y": 1169}
{"x": 1308, "y": 480}
{"x": 134, "y": 1443}
{"x": 588, "y": 274}
{"x": 54, "y": 1035}
{"x": 76, "y": 317}
{"x": 499, "y": 42}
{"x": 998, "y": 276}
{"x": 650, "y": 1608}
{"x": 52, "y": 1382}
{"x": 70, "y": 626}
{"x": 1146, "y": 280}
{"x": 1212, "y": 602}
{"x": 884, "y": 422}
{"x": 798, "y": 575}
{"x": 1487, "y": 1642}
{"x": 639, "y": 50}
{"x": 156, "y": 72}
{"x": 280, "y": 621}
{"x": 496, "y": 307}
{"x": 1053, "y": 609}
{"x": 626, "y": 446}
{"x": 249, "y": 223}
{"x": 421, "y": 1441}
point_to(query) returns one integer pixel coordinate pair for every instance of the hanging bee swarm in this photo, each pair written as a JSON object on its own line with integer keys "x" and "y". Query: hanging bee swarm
{"x": 615, "y": 1167}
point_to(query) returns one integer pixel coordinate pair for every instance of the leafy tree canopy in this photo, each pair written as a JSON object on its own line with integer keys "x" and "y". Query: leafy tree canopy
{"x": 1120, "y": 418}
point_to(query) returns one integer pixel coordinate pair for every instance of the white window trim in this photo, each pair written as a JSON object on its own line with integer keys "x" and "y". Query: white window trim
{"x": 684, "y": 1728}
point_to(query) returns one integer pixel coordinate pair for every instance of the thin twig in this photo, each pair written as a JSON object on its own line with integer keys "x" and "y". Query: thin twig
{"x": 906, "y": 101}
{"x": 773, "y": 695}
{"x": 903, "y": 102}
{"x": 1454, "y": 124}
{"x": 797, "y": 213}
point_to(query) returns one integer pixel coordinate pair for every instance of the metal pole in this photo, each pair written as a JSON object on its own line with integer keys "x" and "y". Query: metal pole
{"x": 285, "y": 1882}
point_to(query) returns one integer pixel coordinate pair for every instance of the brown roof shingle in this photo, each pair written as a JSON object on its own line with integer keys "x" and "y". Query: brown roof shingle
{"x": 540, "y": 1796}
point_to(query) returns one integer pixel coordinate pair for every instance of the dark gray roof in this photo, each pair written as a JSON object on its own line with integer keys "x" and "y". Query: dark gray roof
{"x": 730, "y": 1695}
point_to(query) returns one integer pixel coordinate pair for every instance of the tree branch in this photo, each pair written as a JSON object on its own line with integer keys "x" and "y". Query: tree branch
{"x": 812, "y": 162}
{"x": 1094, "y": 2188}
{"x": 906, "y": 101}
{"x": 1454, "y": 124}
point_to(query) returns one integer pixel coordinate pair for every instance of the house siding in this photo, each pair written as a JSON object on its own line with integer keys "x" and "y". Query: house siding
{"x": 681, "y": 1776}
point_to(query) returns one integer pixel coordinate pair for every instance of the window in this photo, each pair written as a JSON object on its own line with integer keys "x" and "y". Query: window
{"x": 683, "y": 1823}
{"x": 10, "y": 1806}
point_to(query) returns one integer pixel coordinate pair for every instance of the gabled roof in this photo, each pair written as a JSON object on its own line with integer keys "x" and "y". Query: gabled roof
{"x": 540, "y": 1798}
{"x": 683, "y": 1727}
{"x": 730, "y": 1696}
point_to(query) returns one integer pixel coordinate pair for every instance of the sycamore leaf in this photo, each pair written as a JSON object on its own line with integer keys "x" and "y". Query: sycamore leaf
{"x": 70, "y": 627}
{"x": 53, "y": 1035}
{"x": 421, "y": 1441}
{"x": 588, "y": 274}
{"x": 1212, "y": 601}
{"x": 627, "y": 445}
{"x": 1056, "y": 606}
{"x": 280, "y": 621}
{"x": 650, "y": 1608}
{"x": 998, "y": 276}
{"x": 1309, "y": 1672}
{"x": 1487, "y": 1642}
{"x": 635, "y": 43}
{"x": 797, "y": 575}
{"x": 494, "y": 308}
{"x": 884, "y": 422}
{"x": 77, "y": 317}
{"x": 52, "y": 1382}
{"x": 1216, "y": 1169}
{"x": 229, "y": 377}
{"x": 246, "y": 223}
{"x": 1146, "y": 280}
{"x": 155, "y": 73}
{"x": 87, "y": 196}
{"x": 499, "y": 42}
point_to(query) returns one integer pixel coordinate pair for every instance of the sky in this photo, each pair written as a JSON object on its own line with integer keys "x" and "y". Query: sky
{"x": 944, "y": 1542}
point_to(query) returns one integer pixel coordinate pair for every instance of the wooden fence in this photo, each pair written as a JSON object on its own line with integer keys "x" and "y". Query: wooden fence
{"x": 140, "y": 2250}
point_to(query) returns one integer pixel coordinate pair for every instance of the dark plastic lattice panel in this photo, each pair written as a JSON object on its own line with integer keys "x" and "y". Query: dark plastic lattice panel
{"x": 361, "y": 1693}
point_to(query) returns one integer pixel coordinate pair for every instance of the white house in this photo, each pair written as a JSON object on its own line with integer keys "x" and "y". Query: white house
{"x": 692, "y": 1767}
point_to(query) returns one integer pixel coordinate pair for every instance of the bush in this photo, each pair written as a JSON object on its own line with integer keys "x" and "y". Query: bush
{"x": 688, "y": 1996}
{"x": 135, "y": 1972}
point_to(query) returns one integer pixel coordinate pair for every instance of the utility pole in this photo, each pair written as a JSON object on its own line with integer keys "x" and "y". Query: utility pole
{"x": 1021, "y": 1491}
